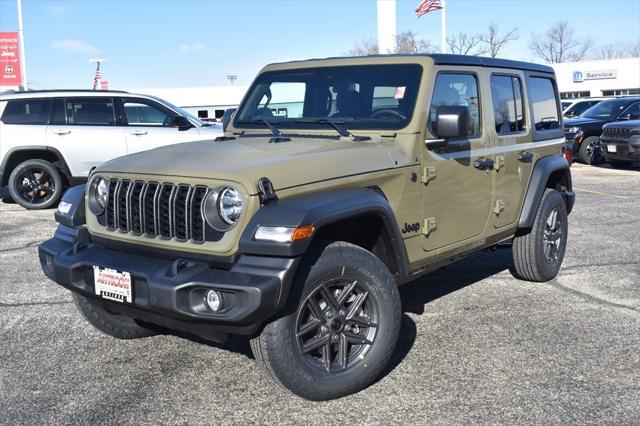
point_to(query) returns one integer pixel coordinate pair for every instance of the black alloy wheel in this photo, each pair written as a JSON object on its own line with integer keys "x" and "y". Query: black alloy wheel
{"x": 35, "y": 184}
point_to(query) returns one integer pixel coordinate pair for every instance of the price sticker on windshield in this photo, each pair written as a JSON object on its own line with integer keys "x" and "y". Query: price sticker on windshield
{"x": 400, "y": 92}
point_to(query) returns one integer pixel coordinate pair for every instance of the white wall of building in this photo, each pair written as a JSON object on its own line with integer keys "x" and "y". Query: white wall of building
{"x": 599, "y": 77}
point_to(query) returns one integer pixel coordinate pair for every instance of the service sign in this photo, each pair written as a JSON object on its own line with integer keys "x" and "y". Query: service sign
{"x": 9, "y": 60}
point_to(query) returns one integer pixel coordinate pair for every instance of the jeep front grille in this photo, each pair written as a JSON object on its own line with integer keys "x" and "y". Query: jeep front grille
{"x": 616, "y": 133}
{"x": 155, "y": 210}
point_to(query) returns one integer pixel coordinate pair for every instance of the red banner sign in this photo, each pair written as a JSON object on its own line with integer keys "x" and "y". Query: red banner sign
{"x": 9, "y": 60}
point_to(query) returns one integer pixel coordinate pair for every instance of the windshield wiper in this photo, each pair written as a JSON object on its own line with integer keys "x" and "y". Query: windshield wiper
{"x": 270, "y": 125}
{"x": 333, "y": 123}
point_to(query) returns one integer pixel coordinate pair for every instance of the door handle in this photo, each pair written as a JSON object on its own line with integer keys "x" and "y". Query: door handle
{"x": 139, "y": 132}
{"x": 525, "y": 157}
{"x": 61, "y": 132}
{"x": 483, "y": 164}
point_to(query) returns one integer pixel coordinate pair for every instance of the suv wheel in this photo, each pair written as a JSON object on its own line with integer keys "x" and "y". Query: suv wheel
{"x": 340, "y": 333}
{"x": 35, "y": 184}
{"x": 537, "y": 256}
{"x": 118, "y": 326}
{"x": 589, "y": 152}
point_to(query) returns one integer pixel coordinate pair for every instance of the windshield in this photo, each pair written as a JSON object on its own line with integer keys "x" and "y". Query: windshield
{"x": 606, "y": 110}
{"x": 358, "y": 97}
{"x": 565, "y": 105}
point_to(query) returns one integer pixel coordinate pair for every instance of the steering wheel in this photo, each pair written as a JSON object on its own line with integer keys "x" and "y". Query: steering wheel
{"x": 387, "y": 113}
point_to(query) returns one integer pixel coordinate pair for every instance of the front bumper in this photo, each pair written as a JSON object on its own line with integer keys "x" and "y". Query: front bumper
{"x": 626, "y": 150}
{"x": 170, "y": 293}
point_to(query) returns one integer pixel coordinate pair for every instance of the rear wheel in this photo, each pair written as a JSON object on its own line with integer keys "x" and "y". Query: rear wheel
{"x": 589, "y": 152}
{"x": 35, "y": 184}
{"x": 118, "y": 326}
{"x": 538, "y": 255}
{"x": 341, "y": 332}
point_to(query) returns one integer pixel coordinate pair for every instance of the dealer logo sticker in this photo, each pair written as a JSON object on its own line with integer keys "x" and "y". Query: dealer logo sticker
{"x": 577, "y": 77}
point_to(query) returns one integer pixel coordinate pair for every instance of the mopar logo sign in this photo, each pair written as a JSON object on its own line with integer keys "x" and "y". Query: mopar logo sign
{"x": 577, "y": 77}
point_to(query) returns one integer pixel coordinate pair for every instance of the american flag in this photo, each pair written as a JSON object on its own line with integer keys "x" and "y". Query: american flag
{"x": 96, "y": 80}
{"x": 427, "y": 6}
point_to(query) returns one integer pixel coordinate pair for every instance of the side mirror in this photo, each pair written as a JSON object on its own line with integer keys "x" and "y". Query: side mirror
{"x": 452, "y": 122}
{"x": 226, "y": 118}
{"x": 626, "y": 116}
{"x": 570, "y": 114}
{"x": 182, "y": 123}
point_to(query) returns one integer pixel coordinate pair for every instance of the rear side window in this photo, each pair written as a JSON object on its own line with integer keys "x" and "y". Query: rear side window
{"x": 90, "y": 111}
{"x": 26, "y": 111}
{"x": 457, "y": 90}
{"x": 508, "y": 114}
{"x": 543, "y": 103}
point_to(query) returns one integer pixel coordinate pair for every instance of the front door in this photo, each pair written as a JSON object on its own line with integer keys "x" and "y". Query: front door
{"x": 457, "y": 194}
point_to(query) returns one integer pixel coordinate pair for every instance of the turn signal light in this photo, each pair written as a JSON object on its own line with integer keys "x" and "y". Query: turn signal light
{"x": 302, "y": 233}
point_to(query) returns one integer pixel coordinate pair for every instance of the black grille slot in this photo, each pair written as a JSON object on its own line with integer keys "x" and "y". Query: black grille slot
{"x": 135, "y": 207}
{"x": 197, "y": 221}
{"x": 149, "y": 202}
{"x": 111, "y": 204}
{"x": 164, "y": 210}
{"x": 153, "y": 209}
{"x": 181, "y": 212}
{"x": 122, "y": 196}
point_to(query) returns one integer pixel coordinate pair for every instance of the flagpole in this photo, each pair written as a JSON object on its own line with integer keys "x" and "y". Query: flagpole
{"x": 23, "y": 59}
{"x": 443, "y": 30}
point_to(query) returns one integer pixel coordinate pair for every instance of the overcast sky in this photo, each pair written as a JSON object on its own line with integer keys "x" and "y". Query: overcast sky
{"x": 194, "y": 43}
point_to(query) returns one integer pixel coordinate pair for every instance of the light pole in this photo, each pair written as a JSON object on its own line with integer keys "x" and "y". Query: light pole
{"x": 97, "y": 80}
{"x": 23, "y": 60}
{"x": 232, "y": 78}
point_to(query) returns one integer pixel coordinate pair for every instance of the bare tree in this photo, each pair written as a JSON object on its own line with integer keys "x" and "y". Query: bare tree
{"x": 406, "y": 42}
{"x": 466, "y": 44}
{"x": 495, "y": 41}
{"x": 613, "y": 51}
{"x": 364, "y": 48}
{"x": 559, "y": 44}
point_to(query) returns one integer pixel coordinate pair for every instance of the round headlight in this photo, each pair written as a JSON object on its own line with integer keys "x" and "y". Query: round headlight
{"x": 230, "y": 205}
{"x": 98, "y": 194}
{"x": 222, "y": 208}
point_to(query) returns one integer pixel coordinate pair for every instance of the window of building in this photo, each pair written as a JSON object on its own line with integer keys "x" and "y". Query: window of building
{"x": 203, "y": 113}
{"x": 27, "y": 111}
{"x": 457, "y": 90}
{"x": 575, "y": 95}
{"x": 544, "y": 103}
{"x": 621, "y": 92}
{"x": 90, "y": 111}
{"x": 506, "y": 93}
{"x": 219, "y": 114}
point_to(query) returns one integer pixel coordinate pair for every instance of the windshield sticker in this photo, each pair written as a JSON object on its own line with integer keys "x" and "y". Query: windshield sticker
{"x": 400, "y": 92}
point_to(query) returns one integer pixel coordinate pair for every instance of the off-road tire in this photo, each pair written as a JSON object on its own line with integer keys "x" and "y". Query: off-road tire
{"x": 530, "y": 261}
{"x": 118, "y": 326}
{"x": 586, "y": 154}
{"x": 54, "y": 184}
{"x": 277, "y": 348}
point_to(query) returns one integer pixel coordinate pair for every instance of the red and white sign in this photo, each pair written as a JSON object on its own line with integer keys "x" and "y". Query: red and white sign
{"x": 104, "y": 84}
{"x": 113, "y": 285}
{"x": 10, "y": 75}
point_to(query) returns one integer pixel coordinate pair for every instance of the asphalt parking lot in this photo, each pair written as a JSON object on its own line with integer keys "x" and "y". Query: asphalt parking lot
{"x": 477, "y": 345}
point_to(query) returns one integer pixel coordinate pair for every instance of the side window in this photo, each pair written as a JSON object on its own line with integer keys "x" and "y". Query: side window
{"x": 26, "y": 111}
{"x": 506, "y": 93}
{"x": 58, "y": 113}
{"x": 543, "y": 101}
{"x": 457, "y": 90}
{"x": 90, "y": 111}
{"x": 633, "y": 111}
{"x": 140, "y": 112}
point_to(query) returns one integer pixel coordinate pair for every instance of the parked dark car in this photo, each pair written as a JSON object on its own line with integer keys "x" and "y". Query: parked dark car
{"x": 620, "y": 143}
{"x": 583, "y": 133}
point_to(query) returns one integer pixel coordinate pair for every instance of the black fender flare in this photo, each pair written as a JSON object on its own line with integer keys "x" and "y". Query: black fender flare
{"x": 321, "y": 209}
{"x": 63, "y": 162}
{"x": 542, "y": 171}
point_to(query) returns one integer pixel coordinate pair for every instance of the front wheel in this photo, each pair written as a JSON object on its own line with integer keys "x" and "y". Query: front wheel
{"x": 589, "y": 152}
{"x": 538, "y": 255}
{"x": 340, "y": 333}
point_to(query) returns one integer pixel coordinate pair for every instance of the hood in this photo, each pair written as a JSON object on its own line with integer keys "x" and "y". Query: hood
{"x": 624, "y": 124}
{"x": 246, "y": 159}
{"x": 570, "y": 122}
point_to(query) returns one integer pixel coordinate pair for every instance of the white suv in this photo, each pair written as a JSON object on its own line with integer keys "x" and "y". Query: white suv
{"x": 51, "y": 139}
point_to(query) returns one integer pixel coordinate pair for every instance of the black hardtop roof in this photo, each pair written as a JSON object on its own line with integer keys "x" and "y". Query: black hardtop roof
{"x": 448, "y": 59}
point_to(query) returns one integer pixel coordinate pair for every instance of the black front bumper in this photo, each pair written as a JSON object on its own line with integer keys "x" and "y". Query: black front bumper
{"x": 626, "y": 150}
{"x": 170, "y": 293}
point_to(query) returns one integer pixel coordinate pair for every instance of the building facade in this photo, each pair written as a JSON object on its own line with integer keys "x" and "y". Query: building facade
{"x": 609, "y": 77}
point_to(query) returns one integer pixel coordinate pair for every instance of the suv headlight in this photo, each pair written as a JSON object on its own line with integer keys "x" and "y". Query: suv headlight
{"x": 573, "y": 129}
{"x": 222, "y": 208}
{"x": 98, "y": 194}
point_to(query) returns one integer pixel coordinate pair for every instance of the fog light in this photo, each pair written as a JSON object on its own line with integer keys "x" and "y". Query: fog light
{"x": 214, "y": 300}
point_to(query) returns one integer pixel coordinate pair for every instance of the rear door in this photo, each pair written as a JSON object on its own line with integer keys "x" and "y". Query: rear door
{"x": 148, "y": 124}
{"x": 84, "y": 130}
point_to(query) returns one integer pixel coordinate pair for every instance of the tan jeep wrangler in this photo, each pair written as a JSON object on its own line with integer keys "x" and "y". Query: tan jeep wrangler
{"x": 336, "y": 181}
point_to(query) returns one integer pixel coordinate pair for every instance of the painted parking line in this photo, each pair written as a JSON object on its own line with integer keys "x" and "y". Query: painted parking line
{"x": 601, "y": 193}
